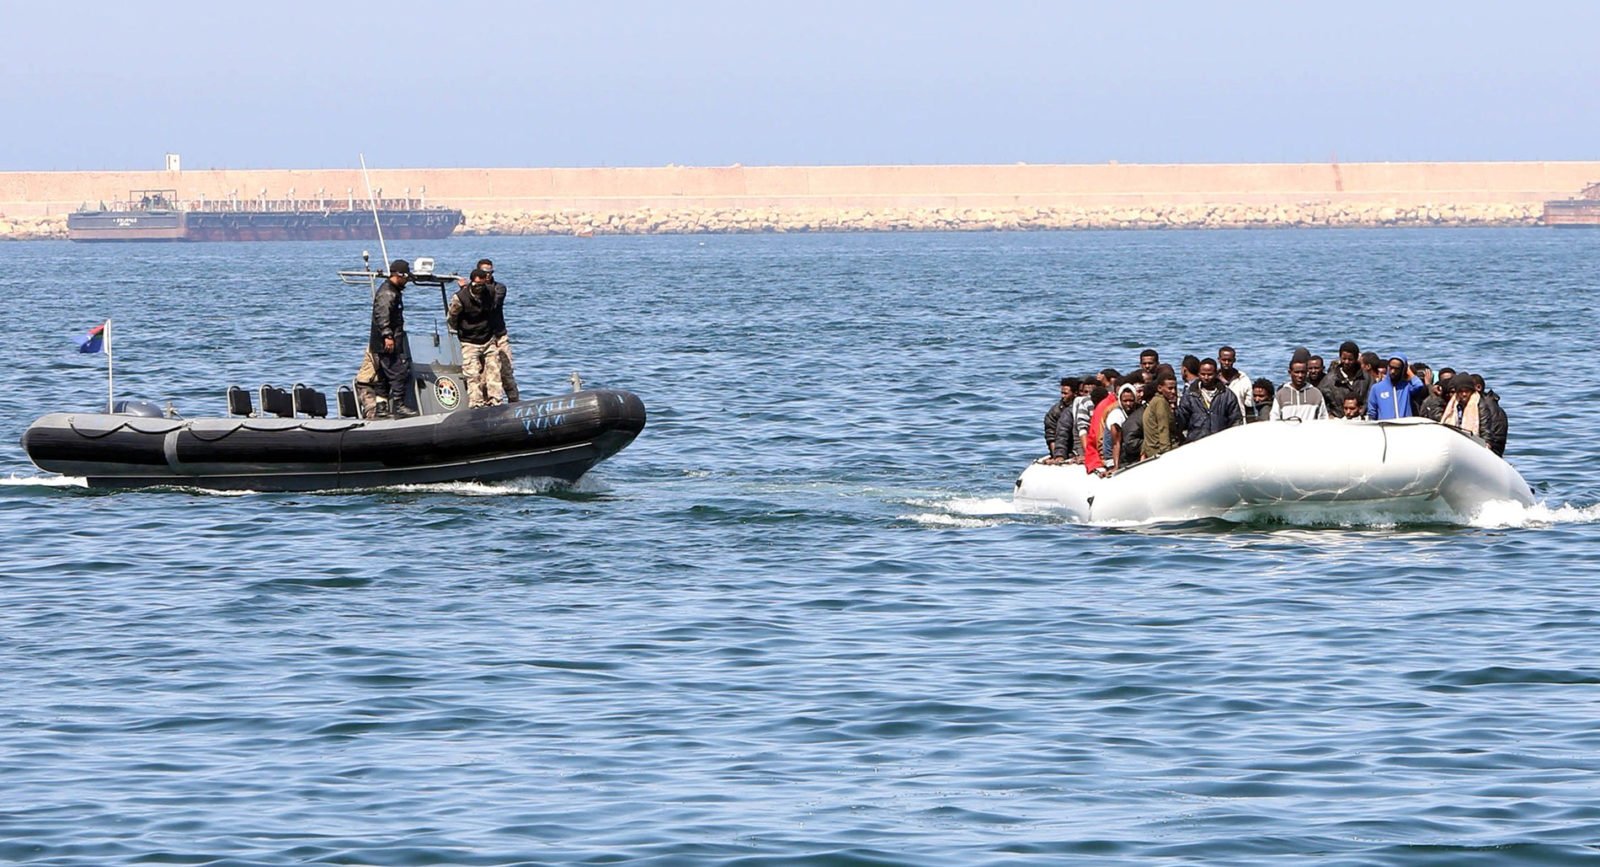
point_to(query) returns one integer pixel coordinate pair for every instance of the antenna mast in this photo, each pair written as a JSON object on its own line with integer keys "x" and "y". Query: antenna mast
{"x": 383, "y": 248}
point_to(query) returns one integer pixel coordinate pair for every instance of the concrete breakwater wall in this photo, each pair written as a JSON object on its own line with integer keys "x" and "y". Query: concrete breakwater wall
{"x": 849, "y": 198}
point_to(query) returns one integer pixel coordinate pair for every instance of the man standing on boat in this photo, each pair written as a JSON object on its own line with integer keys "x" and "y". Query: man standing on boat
{"x": 1298, "y": 399}
{"x": 1208, "y": 406}
{"x": 1346, "y": 378}
{"x": 508, "y": 379}
{"x": 1390, "y": 397}
{"x": 471, "y": 316}
{"x": 1236, "y": 380}
{"x": 387, "y": 343}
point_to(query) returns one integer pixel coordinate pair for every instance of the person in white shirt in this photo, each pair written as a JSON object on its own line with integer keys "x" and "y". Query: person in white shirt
{"x": 1236, "y": 380}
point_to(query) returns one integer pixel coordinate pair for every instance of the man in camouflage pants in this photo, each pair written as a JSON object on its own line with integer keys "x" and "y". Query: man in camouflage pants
{"x": 508, "y": 380}
{"x": 472, "y": 315}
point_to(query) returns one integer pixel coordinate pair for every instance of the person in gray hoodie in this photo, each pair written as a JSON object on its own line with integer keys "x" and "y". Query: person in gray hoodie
{"x": 1298, "y": 399}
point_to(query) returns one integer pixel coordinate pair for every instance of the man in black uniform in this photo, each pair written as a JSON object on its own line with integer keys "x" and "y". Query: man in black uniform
{"x": 387, "y": 343}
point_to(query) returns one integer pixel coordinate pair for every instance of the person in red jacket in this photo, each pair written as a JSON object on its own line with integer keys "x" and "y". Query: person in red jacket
{"x": 1103, "y": 402}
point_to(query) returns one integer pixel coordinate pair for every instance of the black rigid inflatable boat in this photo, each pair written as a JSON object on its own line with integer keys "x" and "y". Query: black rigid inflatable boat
{"x": 294, "y": 446}
{"x": 555, "y": 437}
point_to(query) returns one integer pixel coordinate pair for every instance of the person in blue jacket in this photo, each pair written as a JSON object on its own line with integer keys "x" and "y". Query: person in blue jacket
{"x": 1390, "y": 397}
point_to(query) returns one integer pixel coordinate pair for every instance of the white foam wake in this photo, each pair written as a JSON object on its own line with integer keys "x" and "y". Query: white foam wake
{"x": 993, "y": 511}
{"x": 513, "y": 487}
{"x": 44, "y": 481}
{"x": 968, "y": 512}
{"x": 1505, "y": 514}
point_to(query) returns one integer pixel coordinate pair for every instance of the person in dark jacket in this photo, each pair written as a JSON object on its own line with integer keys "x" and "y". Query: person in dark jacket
{"x": 1498, "y": 425}
{"x": 1424, "y": 373}
{"x": 1188, "y": 370}
{"x": 387, "y": 340}
{"x": 1059, "y": 416}
{"x": 1316, "y": 370}
{"x": 1346, "y": 378}
{"x": 471, "y": 315}
{"x": 1438, "y": 394}
{"x": 1133, "y": 424}
{"x": 1475, "y": 412}
{"x": 508, "y": 379}
{"x": 1260, "y": 401}
{"x": 1207, "y": 406}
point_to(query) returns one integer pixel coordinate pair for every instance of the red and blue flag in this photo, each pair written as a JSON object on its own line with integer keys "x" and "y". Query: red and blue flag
{"x": 95, "y": 340}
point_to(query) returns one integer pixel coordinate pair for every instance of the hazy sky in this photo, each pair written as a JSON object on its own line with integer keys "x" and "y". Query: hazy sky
{"x": 306, "y": 85}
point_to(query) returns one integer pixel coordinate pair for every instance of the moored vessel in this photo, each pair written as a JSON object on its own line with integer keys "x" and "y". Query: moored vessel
{"x": 1580, "y": 211}
{"x": 159, "y": 215}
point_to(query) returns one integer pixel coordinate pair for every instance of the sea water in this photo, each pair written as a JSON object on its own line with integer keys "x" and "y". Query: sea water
{"x": 799, "y": 621}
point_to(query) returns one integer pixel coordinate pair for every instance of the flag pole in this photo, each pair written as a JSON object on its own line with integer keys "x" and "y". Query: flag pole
{"x": 110, "y": 390}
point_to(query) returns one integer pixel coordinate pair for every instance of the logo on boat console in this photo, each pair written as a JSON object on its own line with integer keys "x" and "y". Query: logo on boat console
{"x": 448, "y": 393}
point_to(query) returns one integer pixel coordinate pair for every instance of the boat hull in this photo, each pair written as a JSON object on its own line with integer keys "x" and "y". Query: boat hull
{"x": 1572, "y": 214}
{"x": 558, "y": 437}
{"x": 1324, "y": 471}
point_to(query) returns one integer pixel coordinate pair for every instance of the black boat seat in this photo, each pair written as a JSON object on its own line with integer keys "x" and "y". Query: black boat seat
{"x": 347, "y": 402}
{"x": 239, "y": 401}
{"x": 276, "y": 401}
{"x": 308, "y": 401}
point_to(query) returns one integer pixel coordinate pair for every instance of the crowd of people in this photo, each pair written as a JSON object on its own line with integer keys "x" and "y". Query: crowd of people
{"x": 1109, "y": 420}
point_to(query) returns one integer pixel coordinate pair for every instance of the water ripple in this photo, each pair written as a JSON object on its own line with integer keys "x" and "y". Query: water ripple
{"x": 799, "y": 621}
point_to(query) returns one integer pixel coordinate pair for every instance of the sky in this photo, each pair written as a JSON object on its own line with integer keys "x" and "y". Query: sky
{"x": 298, "y": 84}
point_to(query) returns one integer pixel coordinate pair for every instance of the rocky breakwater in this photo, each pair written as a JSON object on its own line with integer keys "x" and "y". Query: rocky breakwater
{"x": 51, "y": 228}
{"x": 685, "y": 221}
{"x": 649, "y": 221}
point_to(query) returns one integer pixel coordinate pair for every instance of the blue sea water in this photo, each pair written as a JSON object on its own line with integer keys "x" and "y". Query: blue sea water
{"x": 798, "y": 621}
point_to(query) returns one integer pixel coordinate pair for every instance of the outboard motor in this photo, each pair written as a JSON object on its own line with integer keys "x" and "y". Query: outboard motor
{"x": 140, "y": 408}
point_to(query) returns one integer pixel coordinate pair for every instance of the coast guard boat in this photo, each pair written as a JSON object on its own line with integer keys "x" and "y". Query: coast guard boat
{"x": 291, "y": 443}
{"x": 1410, "y": 469}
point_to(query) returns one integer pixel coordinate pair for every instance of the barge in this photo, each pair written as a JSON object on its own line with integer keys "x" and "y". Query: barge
{"x": 159, "y": 215}
{"x": 1581, "y": 211}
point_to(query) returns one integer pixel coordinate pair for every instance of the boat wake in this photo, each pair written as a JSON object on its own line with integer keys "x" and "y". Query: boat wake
{"x": 976, "y": 512}
{"x": 966, "y": 512}
{"x": 50, "y": 481}
{"x": 1500, "y": 515}
{"x": 514, "y": 487}
{"x": 510, "y": 488}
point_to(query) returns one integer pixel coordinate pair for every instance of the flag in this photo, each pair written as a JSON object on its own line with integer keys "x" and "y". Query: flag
{"x": 95, "y": 340}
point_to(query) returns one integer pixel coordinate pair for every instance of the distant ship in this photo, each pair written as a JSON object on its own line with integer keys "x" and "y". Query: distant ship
{"x": 158, "y": 215}
{"x": 1582, "y": 210}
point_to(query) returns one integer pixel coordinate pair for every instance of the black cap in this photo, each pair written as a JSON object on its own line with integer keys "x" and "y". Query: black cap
{"x": 399, "y": 266}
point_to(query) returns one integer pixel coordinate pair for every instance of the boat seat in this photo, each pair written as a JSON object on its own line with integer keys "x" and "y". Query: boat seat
{"x": 239, "y": 401}
{"x": 310, "y": 402}
{"x": 347, "y": 402}
{"x": 276, "y": 401}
